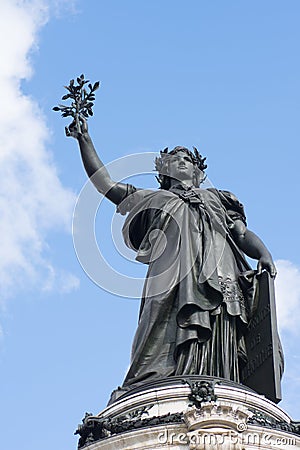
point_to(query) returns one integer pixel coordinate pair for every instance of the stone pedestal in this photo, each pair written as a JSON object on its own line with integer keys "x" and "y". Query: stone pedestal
{"x": 190, "y": 413}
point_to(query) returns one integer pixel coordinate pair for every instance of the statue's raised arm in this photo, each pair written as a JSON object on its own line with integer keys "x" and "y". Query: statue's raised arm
{"x": 95, "y": 169}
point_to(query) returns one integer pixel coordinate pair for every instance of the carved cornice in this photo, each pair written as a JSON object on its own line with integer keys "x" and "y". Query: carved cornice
{"x": 94, "y": 428}
{"x": 263, "y": 420}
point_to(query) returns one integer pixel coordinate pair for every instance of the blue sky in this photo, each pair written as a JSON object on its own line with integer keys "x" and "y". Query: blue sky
{"x": 223, "y": 76}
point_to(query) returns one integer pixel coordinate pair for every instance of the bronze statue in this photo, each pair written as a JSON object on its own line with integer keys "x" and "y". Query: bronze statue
{"x": 203, "y": 311}
{"x": 195, "y": 306}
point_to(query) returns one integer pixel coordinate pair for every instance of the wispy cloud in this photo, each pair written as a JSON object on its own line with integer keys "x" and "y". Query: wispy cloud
{"x": 29, "y": 184}
{"x": 287, "y": 285}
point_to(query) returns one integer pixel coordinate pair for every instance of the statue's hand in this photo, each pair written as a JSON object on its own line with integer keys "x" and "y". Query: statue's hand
{"x": 266, "y": 262}
{"x": 73, "y": 131}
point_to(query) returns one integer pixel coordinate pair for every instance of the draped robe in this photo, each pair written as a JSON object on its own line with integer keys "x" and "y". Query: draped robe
{"x": 194, "y": 310}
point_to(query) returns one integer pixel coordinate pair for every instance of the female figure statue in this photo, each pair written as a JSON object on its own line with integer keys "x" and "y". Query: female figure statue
{"x": 195, "y": 310}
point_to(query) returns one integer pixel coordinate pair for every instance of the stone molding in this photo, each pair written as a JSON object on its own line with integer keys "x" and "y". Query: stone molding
{"x": 185, "y": 416}
{"x": 212, "y": 415}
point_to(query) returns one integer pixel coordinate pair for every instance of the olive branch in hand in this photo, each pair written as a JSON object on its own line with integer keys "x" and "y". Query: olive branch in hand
{"x": 82, "y": 100}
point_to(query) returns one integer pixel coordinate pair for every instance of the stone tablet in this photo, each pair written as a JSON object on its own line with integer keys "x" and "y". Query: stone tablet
{"x": 262, "y": 373}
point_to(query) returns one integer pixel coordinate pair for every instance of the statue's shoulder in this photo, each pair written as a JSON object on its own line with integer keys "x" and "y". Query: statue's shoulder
{"x": 143, "y": 198}
{"x": 226, "y": 197}
{"x": 231, "y": 203}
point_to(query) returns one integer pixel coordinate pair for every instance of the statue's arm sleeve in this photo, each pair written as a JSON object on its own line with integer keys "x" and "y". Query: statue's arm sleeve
{"x": 234, "y": 208}
{"x": 132, "y": 197}
{"x": 126, "y": 200}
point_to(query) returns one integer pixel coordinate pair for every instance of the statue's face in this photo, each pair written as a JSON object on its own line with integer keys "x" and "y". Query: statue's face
{"x": 181, "y": 167}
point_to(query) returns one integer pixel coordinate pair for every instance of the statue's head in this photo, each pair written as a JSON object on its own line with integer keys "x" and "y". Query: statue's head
{"x": 180, "y": 164}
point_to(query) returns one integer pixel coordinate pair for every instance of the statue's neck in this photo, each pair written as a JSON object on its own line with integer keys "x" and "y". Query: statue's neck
{"x": 185, "y": 183}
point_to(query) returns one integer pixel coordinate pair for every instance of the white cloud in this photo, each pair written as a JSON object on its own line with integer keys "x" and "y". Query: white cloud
{"x": 33, "y": 201}
{"x": 66, "y": 281}
{"x": 287, "y": 285}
